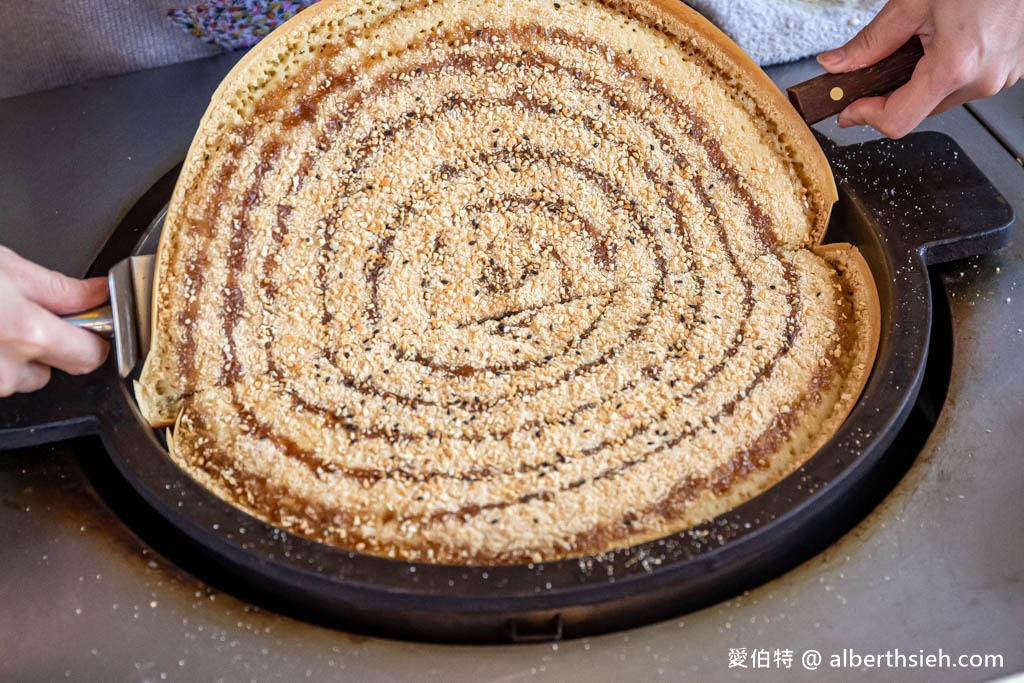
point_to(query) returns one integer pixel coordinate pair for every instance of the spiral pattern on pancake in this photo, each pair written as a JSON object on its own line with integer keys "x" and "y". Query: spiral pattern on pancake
{"x": 484, "y": 285}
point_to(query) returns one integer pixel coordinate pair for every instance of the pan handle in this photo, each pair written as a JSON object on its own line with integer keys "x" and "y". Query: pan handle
{"x": 930, "y": 198}
{"x": 65, "y": 408}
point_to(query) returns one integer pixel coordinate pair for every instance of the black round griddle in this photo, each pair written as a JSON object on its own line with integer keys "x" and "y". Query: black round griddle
{"x": 906, "y": 204}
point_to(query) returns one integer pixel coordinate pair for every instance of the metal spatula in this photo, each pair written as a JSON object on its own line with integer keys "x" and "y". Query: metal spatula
{"x": 126, "y": 318}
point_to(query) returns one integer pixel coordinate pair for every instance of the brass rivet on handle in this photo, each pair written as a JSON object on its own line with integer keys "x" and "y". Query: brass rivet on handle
{"x": 836, "y": 93}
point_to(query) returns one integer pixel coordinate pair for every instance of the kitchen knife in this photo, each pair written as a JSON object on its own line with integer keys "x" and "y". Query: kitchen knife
{"x": 126, "y": 318}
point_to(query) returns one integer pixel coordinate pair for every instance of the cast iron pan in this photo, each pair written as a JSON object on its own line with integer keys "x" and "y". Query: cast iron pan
{"x": 905, "y": 204}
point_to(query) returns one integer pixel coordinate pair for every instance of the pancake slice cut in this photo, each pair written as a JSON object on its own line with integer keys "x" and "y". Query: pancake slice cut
{"x": 492, "y": 283}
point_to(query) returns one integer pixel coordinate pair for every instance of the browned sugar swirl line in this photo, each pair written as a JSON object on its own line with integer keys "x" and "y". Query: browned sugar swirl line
{"x": 638, "y": 219}
{"x": 745, "y": 462}
{"x": 253, "y": 193}
{"x": 533, "y": 37}
{"x": 234, "y": 302}
{"x": 453, "y": 102}
{"x": 268, "y": 285}
{"x": 447, "y": 173}
{"x": 674, "y": 504}
{"x": 317, "y": 465}
{"x": 628, "y": 464}
{"x": 367, "y": 387}
{"x": 287, "y": 508}
{"x": 332, "y": 414}
{"x": 385, "y": 243}
{"x": 740, "y": 465}
{"x": 195, "y": 271}
{"x": 303, "y": 110}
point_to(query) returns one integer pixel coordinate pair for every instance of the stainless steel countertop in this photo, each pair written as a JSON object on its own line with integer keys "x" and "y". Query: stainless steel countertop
{"x": 938, "y": 565}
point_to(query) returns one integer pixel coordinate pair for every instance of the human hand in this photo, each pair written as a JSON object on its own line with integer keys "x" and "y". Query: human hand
{"x": 971, "y": 50}
{"x": 32, "y": 337}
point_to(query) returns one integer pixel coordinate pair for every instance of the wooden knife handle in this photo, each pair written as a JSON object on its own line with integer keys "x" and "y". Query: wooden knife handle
{"x": 829, "y": 94}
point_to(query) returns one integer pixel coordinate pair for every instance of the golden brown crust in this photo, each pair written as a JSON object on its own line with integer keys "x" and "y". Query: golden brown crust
{"x": 339, "y": 358}
{"x": 860, "y": 283}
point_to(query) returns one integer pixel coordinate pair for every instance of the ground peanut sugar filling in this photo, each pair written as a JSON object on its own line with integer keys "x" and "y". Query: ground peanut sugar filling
{"x": 477, "y": 283}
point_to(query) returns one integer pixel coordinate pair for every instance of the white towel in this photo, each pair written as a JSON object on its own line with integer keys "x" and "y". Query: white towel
{"x": 775, "y": 31}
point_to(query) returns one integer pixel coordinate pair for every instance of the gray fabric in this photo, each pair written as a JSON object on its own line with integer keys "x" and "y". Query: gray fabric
{"x": 775, "y": 31}
{"x": 49, "y": 43}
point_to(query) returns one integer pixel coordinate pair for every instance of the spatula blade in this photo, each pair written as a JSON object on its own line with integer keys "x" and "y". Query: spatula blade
{"x": 131, "y": 290}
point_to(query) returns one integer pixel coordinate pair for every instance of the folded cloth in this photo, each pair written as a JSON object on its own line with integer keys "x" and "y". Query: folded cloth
{"x": 234, "y": 24}
{"x": 775, "y": 31}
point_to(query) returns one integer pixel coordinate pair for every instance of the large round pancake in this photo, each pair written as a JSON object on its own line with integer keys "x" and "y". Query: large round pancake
{"x": 473, "y": 282}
